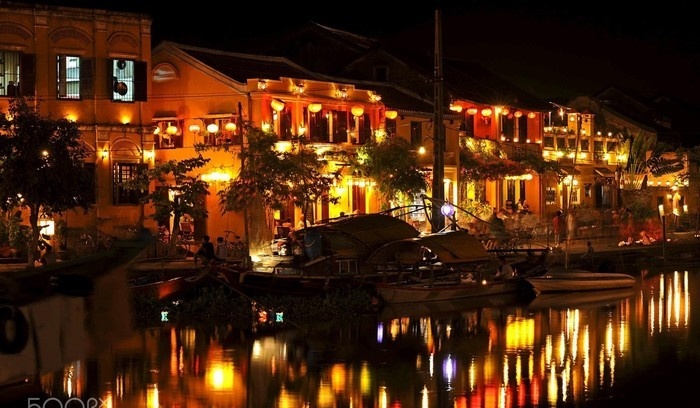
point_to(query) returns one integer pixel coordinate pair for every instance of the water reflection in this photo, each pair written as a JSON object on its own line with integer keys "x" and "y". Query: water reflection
{"x": 572, "y": 350}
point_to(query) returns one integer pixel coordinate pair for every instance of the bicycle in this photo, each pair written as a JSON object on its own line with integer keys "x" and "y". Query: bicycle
{"x": 235, "y": 248}
{"x": 89, "y": 244}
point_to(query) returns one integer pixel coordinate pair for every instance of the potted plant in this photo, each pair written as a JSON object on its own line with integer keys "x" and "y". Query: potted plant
{"x": 60, "y": 236}
{"x": 18, "y": 236}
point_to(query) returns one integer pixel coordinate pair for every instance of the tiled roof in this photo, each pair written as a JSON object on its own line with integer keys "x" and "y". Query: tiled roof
{"x": 241, "y": 67}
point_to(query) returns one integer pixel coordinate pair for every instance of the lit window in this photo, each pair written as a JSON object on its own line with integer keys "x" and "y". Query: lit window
{"x": 68, "y": 76}
{"x": 123, "y": 80}
{"x": 9, "y": 73}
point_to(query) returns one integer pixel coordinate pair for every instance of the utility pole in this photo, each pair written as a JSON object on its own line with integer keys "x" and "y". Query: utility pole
{"x": 247, "y": 263}
{"x": 438, "y": 220}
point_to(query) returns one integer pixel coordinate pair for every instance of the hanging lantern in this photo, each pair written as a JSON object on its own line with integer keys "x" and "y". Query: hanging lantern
{"x": 531, "y": 115}
{"x": 391, "y": 114}
{"x": 277, "y": 105}
{"x": 518, "y": 114}
{"x": 472, "y": 111}
{"x": 230, "y": 127}
{"x": 315, "y": 107}
{"x": 357, "y": 110}
{"x": 194, "y": 128}
{"x": 486, "y": 112}
{"x": 171, "y": 129}
{"x": 212, "y": 128}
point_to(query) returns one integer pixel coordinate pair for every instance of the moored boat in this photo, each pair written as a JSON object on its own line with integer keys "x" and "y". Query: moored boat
{"x": 572, "y": 280}
{"x": 440, "y": 290}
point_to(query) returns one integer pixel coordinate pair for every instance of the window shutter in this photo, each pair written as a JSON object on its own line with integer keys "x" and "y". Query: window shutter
{"x": 27, "y": 79}
{"x": 140, "y": 81}
{"x": 110, "y": 79}
{"x": 87, "y": 81}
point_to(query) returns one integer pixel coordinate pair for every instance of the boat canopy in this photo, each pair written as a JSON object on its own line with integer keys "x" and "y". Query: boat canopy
{"x": 450, "y": 247}
{"x": 360, "y": 235}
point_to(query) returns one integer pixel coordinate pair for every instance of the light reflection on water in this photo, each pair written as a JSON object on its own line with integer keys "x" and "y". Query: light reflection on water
{"x": 570, "y": 350}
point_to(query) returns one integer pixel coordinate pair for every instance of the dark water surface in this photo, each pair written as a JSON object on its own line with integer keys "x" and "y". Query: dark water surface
{"x": 603, "y": 349}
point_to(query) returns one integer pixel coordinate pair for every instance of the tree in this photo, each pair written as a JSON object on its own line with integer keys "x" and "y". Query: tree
{"x": 42, "y": 165}
{"x": 645, "y": 155}
{"x": 394, "y": 164}
{"x": 308, "y": 170}
{"x": 268, "y": 179}
{"x": 177, "y": 191}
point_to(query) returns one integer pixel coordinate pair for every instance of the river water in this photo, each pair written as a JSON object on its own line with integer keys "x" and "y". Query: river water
{"x": 600, "y": 349}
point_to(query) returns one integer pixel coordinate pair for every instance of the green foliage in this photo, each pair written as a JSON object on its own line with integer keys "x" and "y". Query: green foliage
{"x": 174, "y": 177}
{"x": 308, "y": 172}
{"x": 646, "y": 155}
{"x": 394, "y": 165}
{"x": 41, "y": 164}
{"x": 273, "y": 178}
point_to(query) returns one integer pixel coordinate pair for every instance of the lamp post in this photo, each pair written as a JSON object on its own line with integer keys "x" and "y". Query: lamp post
{"x": 448, "y": 210}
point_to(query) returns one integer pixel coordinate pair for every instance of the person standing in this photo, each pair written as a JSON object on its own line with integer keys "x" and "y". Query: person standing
{"x": 556, "y": 227}
{"x": 303, "y": 223}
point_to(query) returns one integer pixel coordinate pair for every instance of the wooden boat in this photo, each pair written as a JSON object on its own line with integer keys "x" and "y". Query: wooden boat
{"x": 573, "y": 280}
{"x": 582, "y": 300}
{"x": 443, "y": 290}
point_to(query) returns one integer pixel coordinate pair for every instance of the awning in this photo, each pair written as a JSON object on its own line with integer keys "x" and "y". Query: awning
{"x": 604, "y": 172}
{"x": 570, "y": 170}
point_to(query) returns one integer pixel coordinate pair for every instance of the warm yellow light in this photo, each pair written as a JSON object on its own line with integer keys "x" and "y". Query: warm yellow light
{"x": 315, "y": 107}
{"x": 277, "y": 105}
{"x": 472, "y": 111}
{"x": 391, "y": 114}
{"x": 230, "y": 127}
{"x": 518, "y": 114}
{"x": 505, "y": 111}
{"x": 71, "y": 117}
{"x": 105, "y": 153}
{"x": 301, "y": 129}
{"x": 531, "y": 115}
{"x": 46, "y": 226}
{"x": 171, "y": 129}
{"x": 156, "y": 130}
{"x": 194, "y": 128}
{"x": 421, "y": 150}
{"x": 357, "y": 110}
{"x": 212, "y": 128}
{"x": 456, "y": 108}
{"x": 486, "y": 112}
{"x": 283, "y": 146}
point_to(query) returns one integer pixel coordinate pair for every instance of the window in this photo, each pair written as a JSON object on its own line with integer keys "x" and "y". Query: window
{"x": 124, "y": 172}
{"x": 549, "y": 142}
{"x": 10, "y": 63}
{"x": 318, "y": 126}
{"x": 416, "y": 134}
{"x": 340, "y": 126}
{"x": 127, "y": 80}
{"x": 550, "y": 196}
{"x": 68, "y": 77}
{"x": 584, "y": 145}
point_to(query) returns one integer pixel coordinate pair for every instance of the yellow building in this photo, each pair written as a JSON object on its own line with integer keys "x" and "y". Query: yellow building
{"x": 90, "y": 66}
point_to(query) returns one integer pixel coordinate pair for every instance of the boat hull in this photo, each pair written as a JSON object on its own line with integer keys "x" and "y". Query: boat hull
{"x": 579, "y": 280}
{"x": 427, "y": 292}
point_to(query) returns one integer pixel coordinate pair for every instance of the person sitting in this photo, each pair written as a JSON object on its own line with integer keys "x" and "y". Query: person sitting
{"x": 645, "y": 239}
{"x": 206, "y": 252}
{"x": 504, "y": 270}
{"x": 47, "y": 255}
{"x": 221, "y": 248}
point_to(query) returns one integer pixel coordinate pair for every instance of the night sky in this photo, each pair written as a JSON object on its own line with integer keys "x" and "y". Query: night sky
{"x": 552, "y": 49}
